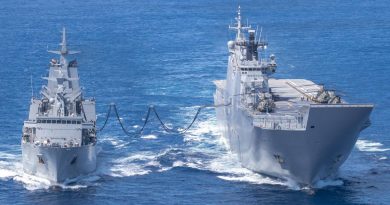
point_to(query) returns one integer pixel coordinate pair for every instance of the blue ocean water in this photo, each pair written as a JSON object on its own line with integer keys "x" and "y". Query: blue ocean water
{"x": 167, "y": 53}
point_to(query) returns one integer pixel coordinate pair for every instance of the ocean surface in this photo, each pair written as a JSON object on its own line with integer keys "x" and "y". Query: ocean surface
{"x": 166, "y": 54}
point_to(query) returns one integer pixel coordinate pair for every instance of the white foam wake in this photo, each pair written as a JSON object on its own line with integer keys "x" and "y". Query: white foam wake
{"x": 370, "y": 146}
{"x": 114, "y": 141}
{"x": 131, "y": 165}
{"x": 231, "y": 170}
{"x": 10, "y": 164}
{"x": 11, "y": 169}
{"x": 32, "y": 183}
{"x": 8, "y": 170}
{"x": 149, "y": 137}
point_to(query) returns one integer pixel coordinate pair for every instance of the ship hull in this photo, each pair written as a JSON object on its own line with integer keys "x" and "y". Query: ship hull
{"x": 58, "y": 164}
{"x": 304, "y": 156}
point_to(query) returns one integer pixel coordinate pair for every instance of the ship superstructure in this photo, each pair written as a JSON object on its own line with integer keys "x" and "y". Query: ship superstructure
{"x": 288, "y": 128}
{"x": 59, "y": 136}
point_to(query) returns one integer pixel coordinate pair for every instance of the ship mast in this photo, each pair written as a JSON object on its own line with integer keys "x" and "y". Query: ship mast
{"x": 238, "y": 26}
{"x": 63, "y": 52}
{"x": 62, "y": 89}
{"x": 260, "y": 97}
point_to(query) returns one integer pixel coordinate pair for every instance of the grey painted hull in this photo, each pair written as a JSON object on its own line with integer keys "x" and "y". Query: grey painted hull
{"x": 305, "y": 156}
{"x": 58, "y": 164}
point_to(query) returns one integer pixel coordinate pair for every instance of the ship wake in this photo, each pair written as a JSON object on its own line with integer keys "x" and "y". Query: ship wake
{"x": 370, "y": 146}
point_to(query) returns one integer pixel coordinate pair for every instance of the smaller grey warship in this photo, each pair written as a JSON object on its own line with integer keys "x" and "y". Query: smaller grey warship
{"x": 287, "y": 128}
{"x": 59, "y": 136}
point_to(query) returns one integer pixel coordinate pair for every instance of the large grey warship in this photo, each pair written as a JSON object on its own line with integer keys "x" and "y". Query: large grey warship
{"x": 59, "y": 136}
{"x": 286, "y": 128}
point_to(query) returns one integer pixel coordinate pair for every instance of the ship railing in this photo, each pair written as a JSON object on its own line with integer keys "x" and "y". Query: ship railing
{"x": 253, "y": 64}
{"x": 280, "y": 122}
{"x": 46, "y": 143}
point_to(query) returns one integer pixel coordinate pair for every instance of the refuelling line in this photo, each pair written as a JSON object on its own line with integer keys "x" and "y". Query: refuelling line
{"x": 152, "y": 109}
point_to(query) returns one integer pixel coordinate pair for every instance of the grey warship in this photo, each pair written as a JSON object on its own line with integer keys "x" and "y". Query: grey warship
{"x": 59, "y": 136}
{"x": 293, "y": 129}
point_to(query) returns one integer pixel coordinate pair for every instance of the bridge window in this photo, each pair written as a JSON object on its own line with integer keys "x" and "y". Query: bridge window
{"x": 58, "y": 121}
{"x": 73, "y": 122}
{"x": 68, "y": 122}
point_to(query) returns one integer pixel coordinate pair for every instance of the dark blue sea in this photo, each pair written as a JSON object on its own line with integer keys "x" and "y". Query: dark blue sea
{"x": 167, "y": 53}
